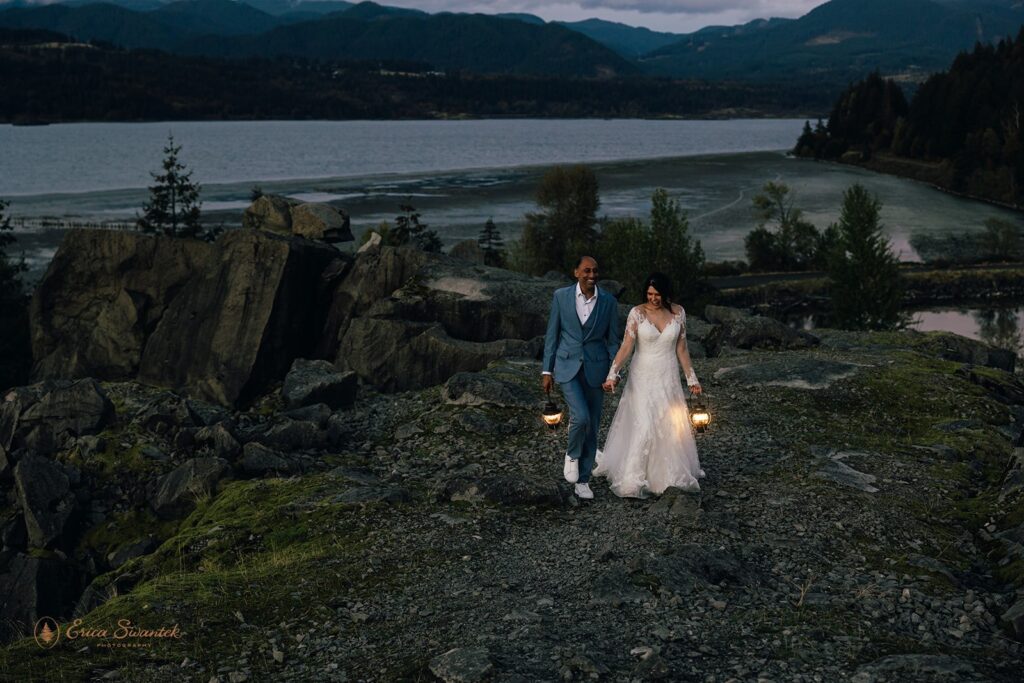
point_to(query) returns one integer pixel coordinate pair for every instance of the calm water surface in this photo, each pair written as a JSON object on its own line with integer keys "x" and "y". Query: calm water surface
{"x": 457, "y": 174}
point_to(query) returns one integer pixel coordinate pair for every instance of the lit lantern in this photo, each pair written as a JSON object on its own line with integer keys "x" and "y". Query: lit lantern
{"x": 551, "y": 414}
{"x": 700, "y": 416}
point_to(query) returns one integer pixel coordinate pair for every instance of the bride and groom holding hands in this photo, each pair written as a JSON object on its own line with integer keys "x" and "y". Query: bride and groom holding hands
{"x": 650, "y": 446}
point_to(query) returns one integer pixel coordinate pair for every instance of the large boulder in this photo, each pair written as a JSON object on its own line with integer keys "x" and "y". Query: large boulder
{"x": 31, "y": 588}
{"x": 220, "y": 321}
{"x": 472, "y": 302}
{"x": 63, "y": 410}
{"x": 176, "y": 493}
{"x": 101, "y": 297}
{"x": 397, "y": 355}
{"x": 737, "y": 329}
{"x": 269, "y": 212}
{"x": 316, "y": 381}
{"x": 44, "y": 493}
{"x": 317, "y": 221}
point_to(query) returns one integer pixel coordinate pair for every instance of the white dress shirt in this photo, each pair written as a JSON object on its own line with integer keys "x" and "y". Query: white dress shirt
{"x": 584, "y": 306}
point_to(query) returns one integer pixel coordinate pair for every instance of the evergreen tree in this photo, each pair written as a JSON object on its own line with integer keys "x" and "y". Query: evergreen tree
{"x": 15, "y": 351}
{"x": 783, "y": 240}
{"x": 492, "y": 245}
{"x": 409, "y": 229}
{"x": 631, "y": 250}
{"x": 676, "y": 253}
{"x": 565, "y": 225}
{"x": 864, "y": 277}
{"x": 173, "y": 207}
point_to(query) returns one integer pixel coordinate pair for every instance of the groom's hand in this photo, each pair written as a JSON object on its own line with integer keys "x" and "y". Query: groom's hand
{"x": 609, "y": 386}
{"x": 547, "y": 383}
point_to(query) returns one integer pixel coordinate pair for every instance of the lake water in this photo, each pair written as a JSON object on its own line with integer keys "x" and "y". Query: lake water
{"x": 457, "y": 174}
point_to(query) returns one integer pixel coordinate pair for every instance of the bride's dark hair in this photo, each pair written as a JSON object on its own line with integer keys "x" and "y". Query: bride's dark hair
{"x": 663, "y": 285}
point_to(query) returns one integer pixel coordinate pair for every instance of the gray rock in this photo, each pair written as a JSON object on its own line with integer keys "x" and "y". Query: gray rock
{"x": 841, "y": 473}
{"x": 615, "y": 588}
{"x": 478, "y": 423}
{"x": 44, "y": 493}
{"x": 318, "y": 414}
{"x": 395, "y": 355}
{"x": 176, "y": 493}
{"x": 316, "y": 381}
{"x": 683, "y": 506}
{"x": 219, "y": 440}
{"x": 88, "y": 446}
{"x": 462, "y": 665}
{"x": 258, "y": 460}
{"x": 403, "y": 432}
{"x": 165, "y": 414}
{"x": 31, "y": 588}
{"x": 959, "y": 425}
{"x": 914, "y": 667}
{"x": 319, "y": 221}
{"x": 66, "y": 410}
{"x": 362, "y": 495}
{"x": 269, "y": 212}
{"x": 356, "y": 476}
{"x": 502, "y": 490}
{"x": 1014, "y": 619}
{"x": 477, "y": 388}
{"x": 753, "y": 332}
{"x": 718, "y": 315}
{"x": 241, "y": 318}
{"x": 294, "y": 435}
{"x": 129, "y": 551}
{"x": 787, "y": 371}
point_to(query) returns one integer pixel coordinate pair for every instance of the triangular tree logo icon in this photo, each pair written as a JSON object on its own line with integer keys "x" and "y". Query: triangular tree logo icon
{"x": 47, "y": 632}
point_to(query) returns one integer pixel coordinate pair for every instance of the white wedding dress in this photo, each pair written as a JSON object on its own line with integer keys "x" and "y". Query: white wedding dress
{"x": 650, "y": 444}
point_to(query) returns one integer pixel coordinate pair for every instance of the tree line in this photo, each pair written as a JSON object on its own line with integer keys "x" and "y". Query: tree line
{"x": 865, "y": 286}
{"x": 105, "y": 83}
{"x": 963, "y": 125}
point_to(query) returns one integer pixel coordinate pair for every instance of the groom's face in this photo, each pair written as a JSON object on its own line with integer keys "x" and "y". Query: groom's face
{"x": 586, "y": 274}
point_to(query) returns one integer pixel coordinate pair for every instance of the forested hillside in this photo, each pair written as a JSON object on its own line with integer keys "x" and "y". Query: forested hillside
{"x": 961, "y": 130}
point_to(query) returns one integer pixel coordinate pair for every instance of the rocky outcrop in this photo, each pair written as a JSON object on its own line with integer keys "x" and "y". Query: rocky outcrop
{"x": 396, "y": 355}
{"x": 220, "y": 320}
{"x": 321, "y": 222}
{"x": 310, "y": 382}
{"x": 31, "y": 588}
{"x": 44, "y": 493}
{"x": 312, "y": 220}
{"x": 46, "y": 416}
{"x": 176, "y": 493}
{"x": 740, "y": 330}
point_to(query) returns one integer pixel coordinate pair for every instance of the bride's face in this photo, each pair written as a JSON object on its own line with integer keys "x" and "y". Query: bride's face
{"x": 653, "y": 297}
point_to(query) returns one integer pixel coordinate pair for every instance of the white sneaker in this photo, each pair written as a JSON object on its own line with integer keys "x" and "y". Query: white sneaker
{"x": 571, "y": 470}
{"x": 583, "y": 491}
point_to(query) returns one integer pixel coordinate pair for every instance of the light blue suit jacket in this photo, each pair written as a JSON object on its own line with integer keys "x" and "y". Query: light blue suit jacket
{"x": 569, "y": 345}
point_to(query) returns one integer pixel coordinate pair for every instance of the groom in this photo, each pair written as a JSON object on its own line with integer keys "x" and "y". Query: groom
{"x": 578, "y": 349}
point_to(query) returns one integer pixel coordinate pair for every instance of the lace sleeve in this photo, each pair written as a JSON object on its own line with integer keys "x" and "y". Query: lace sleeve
{"x": 683, "y": 352}
{"x": 628, "y": 341}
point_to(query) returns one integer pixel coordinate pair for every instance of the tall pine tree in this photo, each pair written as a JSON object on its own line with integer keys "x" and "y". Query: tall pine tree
{"x": 492, "y": 245}
{"x": 864, "y": 278}
{"x": 173, "y": 206}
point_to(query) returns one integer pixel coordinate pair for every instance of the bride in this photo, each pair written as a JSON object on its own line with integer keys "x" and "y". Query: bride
{"x": 650, "y": 446}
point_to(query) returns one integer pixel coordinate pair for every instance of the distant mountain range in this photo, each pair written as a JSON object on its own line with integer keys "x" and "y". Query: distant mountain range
{"x": 843, "y": 40}
{"x": 836, "y": 42}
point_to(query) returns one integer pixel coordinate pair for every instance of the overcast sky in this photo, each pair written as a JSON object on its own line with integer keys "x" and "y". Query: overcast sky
{"x": 675, "y": 16}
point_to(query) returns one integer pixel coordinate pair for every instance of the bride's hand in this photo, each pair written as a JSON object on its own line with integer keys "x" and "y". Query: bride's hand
{"x": 695, "y": 389}
{"x": 609, "y": 385}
